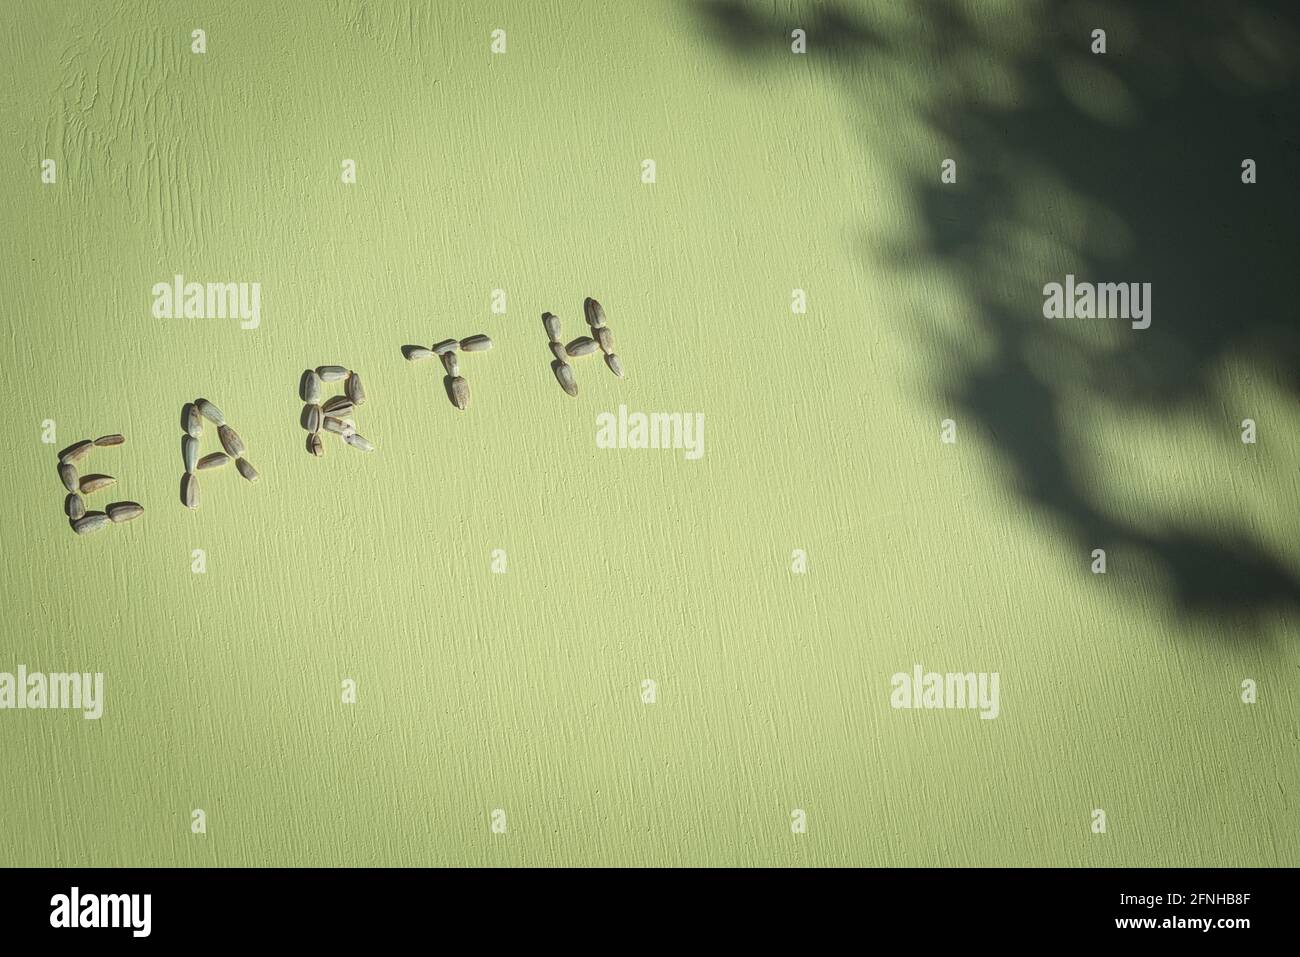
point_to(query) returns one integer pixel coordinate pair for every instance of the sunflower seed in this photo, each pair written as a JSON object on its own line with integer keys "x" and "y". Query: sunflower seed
{"x": 231, "y": 442}
{"x": 90, "y": 522}
{"x": 415, "y": 353}
{"x": 445, "y": 345}
{"x": 615, "y": 364}
{"x": 564, "y": 375}
{"x": 477, "y": 343}
{"x": 581, "y": 346}
{"x": 105, "y": 440}
{"x": 331, "y": 373}
{"x": 557, "y": 350}
{"x": 190, "y": 490}
{"x": 189, "y": 451}
{"x": 459, "y": 391}
{"x": 120, "y": 512}
{"x": 338, "y": 406}
{"x": 73, "y": 506}
{"x": 314, "y": 445}
{"x": 309, "y": 388}
{"x": 213, "y": 460}
{"x": 191, "y": 421}
{"x": 311, "y": 418}
{"x": 451, "y": 362}
{"x": 355, "y": 391}
{"x": 604, "y": 339}
{"x": 551, "y": 323}
{"x": 93, "y": 483}
{"x": 210, "y": 412}
{"x": 359, "y": 442}
{"x": 594, "y": 312}
{"x": 68, "y": 476}
{"x": 338, "y": 426}
{"x": 246, "y": 469}
{"x": 75, "y": 452}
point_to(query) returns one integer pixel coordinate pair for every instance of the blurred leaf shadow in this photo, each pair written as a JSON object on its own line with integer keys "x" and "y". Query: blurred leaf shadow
{"x": 1150, "y": 137}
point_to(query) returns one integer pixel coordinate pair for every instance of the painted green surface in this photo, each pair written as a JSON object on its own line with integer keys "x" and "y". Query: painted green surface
{"x": 521, "y": 691}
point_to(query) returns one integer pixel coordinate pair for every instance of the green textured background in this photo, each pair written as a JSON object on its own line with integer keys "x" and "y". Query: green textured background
{"x": 521, "y": 691}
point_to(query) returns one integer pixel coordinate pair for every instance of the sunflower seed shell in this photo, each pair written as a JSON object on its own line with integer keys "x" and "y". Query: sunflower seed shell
{"x": 551, "y": 323}
{"x": 564, "y": 375}
{"x": 459, "y": 392}
{"x": 581, "y": 346}
{"x": 93, "y": 483}
{"x": 210, "y": 412}
{"x": 231, "y": 442}
{"x": 339, "y": 406}
{"x": 311, "y": 418}
{"x": 309, "y": 388}
{"x": 355, "y": 390}
{"x": 119, "y": 512}
{"x": 76, "y": 452}
{"x": 190, "y": 490}
{"x": 90, "y": 522}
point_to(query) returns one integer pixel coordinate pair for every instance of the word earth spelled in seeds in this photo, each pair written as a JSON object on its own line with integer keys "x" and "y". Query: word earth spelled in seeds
{"x": 192, "y": 416}
{"x": 331, "y": 414}
{"x": 446, "y": 350}
{"x": 74, "y": 506}
{"x": 319, "y": 415}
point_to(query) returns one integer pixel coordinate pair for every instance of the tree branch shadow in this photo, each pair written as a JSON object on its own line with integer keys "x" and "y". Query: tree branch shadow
{"x": 1150, "y": 137}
